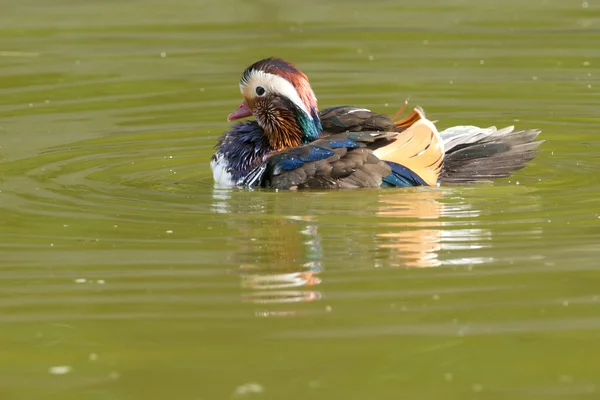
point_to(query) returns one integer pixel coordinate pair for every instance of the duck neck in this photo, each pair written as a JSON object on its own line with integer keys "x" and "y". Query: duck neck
{"x": 292, "y": 128}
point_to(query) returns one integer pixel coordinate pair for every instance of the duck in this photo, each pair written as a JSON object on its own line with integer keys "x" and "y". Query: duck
{"x": 289, "y": 144}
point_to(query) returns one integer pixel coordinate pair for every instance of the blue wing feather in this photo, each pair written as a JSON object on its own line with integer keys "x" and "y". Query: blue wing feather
{"x": 348, "y": 143}
{"x": 290, "y": 163}
{"x": 295, "y": 158}
{"x": 317, "y": 153}
{"x": 403, "y": 177}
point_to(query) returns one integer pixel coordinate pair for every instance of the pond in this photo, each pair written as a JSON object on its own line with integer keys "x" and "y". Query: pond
{"x": 125, "y": 274}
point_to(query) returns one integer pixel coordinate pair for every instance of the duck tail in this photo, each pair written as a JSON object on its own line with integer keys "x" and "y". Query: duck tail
{"x": 474, "y": 154}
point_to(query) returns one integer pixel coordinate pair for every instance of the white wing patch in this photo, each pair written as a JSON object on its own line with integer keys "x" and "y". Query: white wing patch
{"x": 219, "y": 167}
{"x": 357, "y": 110}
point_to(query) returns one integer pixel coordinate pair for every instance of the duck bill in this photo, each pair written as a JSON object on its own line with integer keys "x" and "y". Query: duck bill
{"x": 242, "y": 111}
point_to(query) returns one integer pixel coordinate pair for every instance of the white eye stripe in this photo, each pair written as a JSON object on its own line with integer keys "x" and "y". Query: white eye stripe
{"x": 272, "y": 84}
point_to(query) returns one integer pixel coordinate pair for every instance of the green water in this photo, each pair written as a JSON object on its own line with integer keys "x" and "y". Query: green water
{"x": 125, "y": 275}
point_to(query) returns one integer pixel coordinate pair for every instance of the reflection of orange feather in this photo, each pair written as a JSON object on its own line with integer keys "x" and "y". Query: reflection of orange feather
{"x": 419, "y": 238}
{"x": 418, "y": 148}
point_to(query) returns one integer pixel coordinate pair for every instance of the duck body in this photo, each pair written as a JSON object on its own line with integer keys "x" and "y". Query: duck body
{"x": 291, "y": 145}
{"x": 342, "y": 157}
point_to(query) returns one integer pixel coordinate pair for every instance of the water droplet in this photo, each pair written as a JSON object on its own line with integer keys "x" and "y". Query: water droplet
{"x": 591, "y": 388}
{"x": 451, "y": 82}
{"x": 481, "y": 62}
{"x": 248, "y": 388}
{"x": 589, "y": 86}
{"x": 477, "y": 387}
{"x": 565, "y": 378}
{"x": 314, "y": 384}
{"x": 586, "y": 63}
{"x": 80, "y": 280}
{"x": 585, "y": 4}
{"x": 51, "y": 244}
{"x": 535, "y": 78}
{"x": 93, "y": 357}
{"x": 328, "y": 308}
{"x": 59, "y": 369}
{"x": 565, "y": 303}
{"x": 100, "y": 281}
{"x": 371, "y": 58}
{"x": 169, "y": 231}
{"x": 163, "y": 54}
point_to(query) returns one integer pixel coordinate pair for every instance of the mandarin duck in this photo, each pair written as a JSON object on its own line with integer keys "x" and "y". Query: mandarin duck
{"x": 290, "y": 144}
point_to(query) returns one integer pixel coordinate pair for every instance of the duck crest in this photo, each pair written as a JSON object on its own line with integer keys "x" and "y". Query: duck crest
{"x": 289, "y": 72}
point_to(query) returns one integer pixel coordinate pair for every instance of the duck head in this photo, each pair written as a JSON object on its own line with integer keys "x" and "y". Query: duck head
{"x": 279, "y": 97}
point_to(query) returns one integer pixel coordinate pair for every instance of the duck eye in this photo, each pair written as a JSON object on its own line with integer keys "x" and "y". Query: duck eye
{"x": 260, "y": 90}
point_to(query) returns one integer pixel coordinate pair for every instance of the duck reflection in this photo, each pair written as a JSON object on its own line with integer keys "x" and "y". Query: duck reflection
{"x": 417, "y": 225}
{"x": 279, "y": 254}
{"x": 280, "y": 245}
{"x": 416, "y": 236}
{"x": 291, "y": 267}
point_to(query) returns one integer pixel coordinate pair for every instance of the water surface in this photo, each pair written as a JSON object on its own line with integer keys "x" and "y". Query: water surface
{"x": 124, "y": 274}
